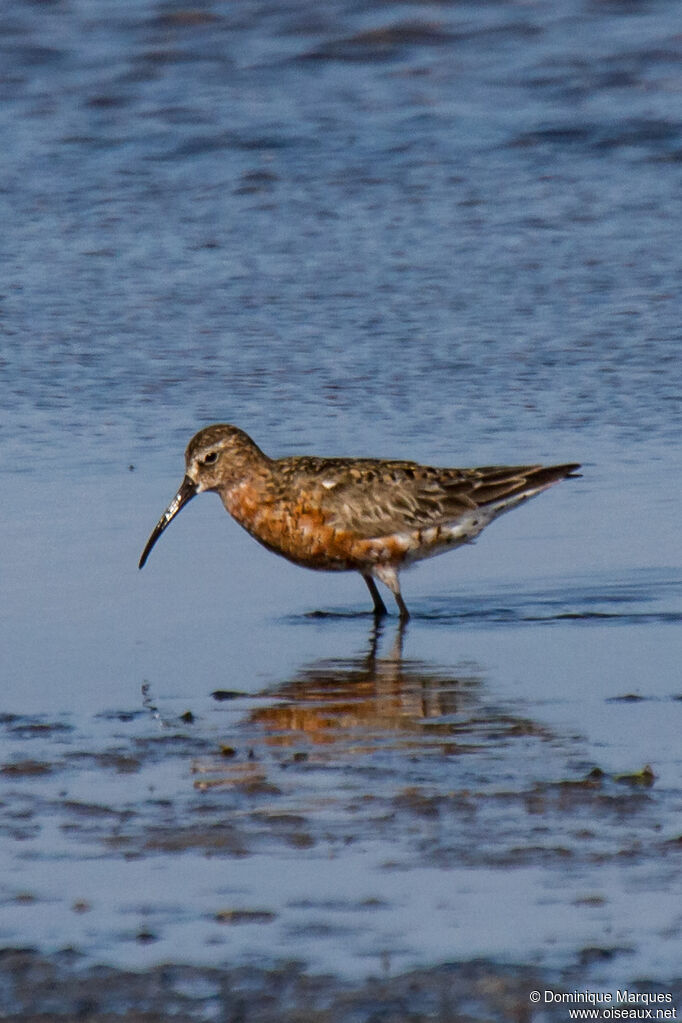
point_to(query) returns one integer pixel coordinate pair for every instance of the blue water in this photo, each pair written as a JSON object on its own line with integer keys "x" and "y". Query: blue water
{"x": 442, "y": 232}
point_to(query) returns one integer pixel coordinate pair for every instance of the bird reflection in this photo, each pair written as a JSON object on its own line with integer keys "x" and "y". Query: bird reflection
{"x": 369, "y": 698}
{"x": 380, "y": 709}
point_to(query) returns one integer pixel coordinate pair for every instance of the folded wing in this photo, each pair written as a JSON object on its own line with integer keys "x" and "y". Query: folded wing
{"x": 399, "y": 497}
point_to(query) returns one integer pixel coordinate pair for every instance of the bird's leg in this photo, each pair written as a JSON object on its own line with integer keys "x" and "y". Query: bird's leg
{"x": 402, "y": 606}
{"x": 389, "y": 577}
{"x": 379, "y": 606}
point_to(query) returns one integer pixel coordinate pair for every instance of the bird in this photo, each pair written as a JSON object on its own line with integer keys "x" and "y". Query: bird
{"x": 368, "y": 515}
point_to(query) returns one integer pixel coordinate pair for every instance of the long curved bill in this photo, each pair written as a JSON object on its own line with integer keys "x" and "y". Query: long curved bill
{"x": 186, "y": 492}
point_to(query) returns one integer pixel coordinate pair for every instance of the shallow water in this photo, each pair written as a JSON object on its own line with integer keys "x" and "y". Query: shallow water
{"x": 445, "y": 232}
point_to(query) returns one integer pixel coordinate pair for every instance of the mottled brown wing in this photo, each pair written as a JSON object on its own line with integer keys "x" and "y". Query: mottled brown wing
{"x": 375, "y": 498}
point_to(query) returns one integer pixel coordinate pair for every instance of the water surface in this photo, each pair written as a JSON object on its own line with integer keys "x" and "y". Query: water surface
{"x": 445, "y": 232}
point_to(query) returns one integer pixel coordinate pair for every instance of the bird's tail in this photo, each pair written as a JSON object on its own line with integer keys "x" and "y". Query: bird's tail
{"x": 502, "y": 489}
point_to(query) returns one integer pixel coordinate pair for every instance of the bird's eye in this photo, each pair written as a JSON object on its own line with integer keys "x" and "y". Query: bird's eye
{"x": 211, "y": 457}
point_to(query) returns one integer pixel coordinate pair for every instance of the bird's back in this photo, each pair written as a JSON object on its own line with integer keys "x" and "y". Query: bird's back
{"x": 373, "y": 498}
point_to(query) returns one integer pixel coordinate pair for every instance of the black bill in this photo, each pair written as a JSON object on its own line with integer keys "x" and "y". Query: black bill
{"x": 186, "y": 492}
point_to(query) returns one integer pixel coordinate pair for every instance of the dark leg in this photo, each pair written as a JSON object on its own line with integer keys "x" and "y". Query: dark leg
{"x": 379, "y": 606}
{"x": 402, "y": 606}
{"x": 389, "y": 576}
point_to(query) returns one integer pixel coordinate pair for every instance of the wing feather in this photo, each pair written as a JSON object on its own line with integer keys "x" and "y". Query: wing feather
{"x": 375, "y": 498}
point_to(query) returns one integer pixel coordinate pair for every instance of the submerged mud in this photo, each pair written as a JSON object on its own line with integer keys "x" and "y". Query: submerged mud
{"x": 35, "y": 988}
{"x": 364, "y": 817}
